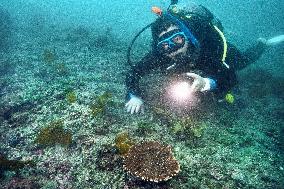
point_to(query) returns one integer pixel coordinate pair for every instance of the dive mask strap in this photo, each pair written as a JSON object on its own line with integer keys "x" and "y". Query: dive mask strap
{"x": 183, "y": 28}
{"x": 180, "y": 24}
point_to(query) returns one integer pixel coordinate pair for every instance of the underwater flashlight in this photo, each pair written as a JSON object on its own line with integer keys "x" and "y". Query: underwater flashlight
{"x": 181, "y": 91}
{"x": 180, "y": 96}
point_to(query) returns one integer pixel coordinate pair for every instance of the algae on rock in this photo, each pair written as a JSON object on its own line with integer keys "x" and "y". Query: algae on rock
{"x": 54, "y": 134}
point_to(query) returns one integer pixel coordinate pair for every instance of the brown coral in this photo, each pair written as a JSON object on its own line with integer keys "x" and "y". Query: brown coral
{"x": 151, "y": 161}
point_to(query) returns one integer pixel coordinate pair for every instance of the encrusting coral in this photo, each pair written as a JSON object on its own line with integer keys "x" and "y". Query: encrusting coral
{"x": 151, "y": 161}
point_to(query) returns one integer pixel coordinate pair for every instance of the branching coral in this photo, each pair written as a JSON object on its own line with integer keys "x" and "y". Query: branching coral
{"x": 151, "y": 161}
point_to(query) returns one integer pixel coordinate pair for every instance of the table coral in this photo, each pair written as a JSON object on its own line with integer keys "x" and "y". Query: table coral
{"x": 151, "y": 161}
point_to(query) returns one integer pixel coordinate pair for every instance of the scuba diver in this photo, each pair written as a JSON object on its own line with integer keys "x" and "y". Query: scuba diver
{"x": 189, "y": 41}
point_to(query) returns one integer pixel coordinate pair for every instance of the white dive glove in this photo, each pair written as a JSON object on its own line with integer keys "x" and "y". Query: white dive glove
{"x": 135, "y": 105}
{"x": 201, "y": 83}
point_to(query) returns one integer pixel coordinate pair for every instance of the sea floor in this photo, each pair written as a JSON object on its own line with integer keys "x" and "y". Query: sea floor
{"x": 76, "y": 81}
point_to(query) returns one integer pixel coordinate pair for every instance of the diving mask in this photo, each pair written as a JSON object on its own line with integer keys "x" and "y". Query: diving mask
{"x": 171, "y": 42}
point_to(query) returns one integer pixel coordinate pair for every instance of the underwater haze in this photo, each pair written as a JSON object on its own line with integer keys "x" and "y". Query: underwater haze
{"x": 63, "y": 123}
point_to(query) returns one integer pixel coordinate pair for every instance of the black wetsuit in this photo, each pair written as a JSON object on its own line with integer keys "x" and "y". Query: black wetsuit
{"x": 207, "y": 63}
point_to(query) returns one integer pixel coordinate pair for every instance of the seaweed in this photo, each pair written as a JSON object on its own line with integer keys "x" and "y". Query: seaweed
{"x": 189, "y": 127}
{"x": 99, "y": 107}
{"x": 48, "y": 56}
{"x": 123, "y": 142}
{"x": 71, "y": 97}
{"x": 144, "y": 128}
{"x": 54, "y": 134}
{"x": 61, "y": 69}
{"x": 57, "y": 67}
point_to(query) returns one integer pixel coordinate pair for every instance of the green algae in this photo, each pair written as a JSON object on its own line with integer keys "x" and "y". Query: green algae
{"x": 50, "y": 59}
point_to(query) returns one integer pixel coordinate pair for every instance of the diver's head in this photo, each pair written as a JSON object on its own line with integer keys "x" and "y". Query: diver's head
{"x": 172, "y": 42}
{"x": 169, "y": 38}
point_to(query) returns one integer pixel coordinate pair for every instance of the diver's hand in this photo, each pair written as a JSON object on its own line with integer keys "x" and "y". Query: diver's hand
{"x": 135, "y": 105}
{"x": 199, "y": 83}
